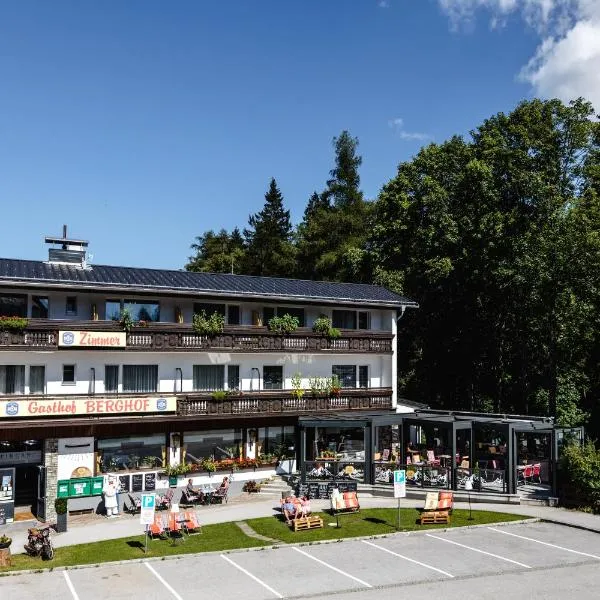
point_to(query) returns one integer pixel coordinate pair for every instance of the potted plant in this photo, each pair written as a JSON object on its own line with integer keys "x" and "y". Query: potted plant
{"x": 335, "y": 386}
{"x": 297, "y": 389}
{"x": 5, "y": 542}
{"x": 284, "y": 325}
{"x": 126, "y": 320}
{"x": 209, "y": 465}
{"x": 210, "y": 326}
{"x": 61, "y": 508}
{"x": 324, "y": 327}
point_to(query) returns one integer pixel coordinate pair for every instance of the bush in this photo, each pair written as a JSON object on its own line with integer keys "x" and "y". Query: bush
{"x": 323, "y": 326}
{"x": 15, "y": 324}
{"x": 580, "y": 476}
{"x": 283, "y": 325}
{"x": 60, "y": 506}
{"x": 219, "y": 395}
{"x": 251, "y": 486}
{"x": 204, "y": 325}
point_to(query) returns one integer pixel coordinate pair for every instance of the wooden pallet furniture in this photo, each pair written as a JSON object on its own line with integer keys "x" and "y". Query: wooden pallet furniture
{"x": 434, "y": 517}
{"x": 305, "y": 523}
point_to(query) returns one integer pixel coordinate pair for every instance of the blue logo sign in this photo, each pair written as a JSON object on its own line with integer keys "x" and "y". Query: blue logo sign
{"x": 400, "y": 477}
{"x": 12, "y": 409}
{"x": 68, "y": 338}
{"x": 148, "y": 501}
{"x": 161, "y": 404}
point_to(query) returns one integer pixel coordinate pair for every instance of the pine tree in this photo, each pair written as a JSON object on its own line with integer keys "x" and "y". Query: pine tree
{"x": 221, "y": 252}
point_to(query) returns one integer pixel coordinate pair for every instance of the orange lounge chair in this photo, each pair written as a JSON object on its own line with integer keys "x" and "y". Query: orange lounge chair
{"x": 157, "y": 528}
{"x": 175, "y": 523}
{"x": 191, "y": 524}
{"x": 446, "y": 501}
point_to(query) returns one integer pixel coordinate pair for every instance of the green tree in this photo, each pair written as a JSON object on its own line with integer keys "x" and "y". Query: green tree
{"x": 270, "y": 251}
{"x": 220, "y": 252}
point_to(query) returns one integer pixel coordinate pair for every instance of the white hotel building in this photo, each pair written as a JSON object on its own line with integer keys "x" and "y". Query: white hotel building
{"x": 81, "y": 397}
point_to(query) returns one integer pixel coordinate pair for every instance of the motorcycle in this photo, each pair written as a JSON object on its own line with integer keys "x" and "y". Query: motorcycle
{"x": 39, "y": 543}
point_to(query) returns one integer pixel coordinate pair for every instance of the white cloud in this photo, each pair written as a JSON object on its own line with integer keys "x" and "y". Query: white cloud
{"x": 566, "y": 63}
{"x": 383, "y": 4}
{"x": 397, "y": 125}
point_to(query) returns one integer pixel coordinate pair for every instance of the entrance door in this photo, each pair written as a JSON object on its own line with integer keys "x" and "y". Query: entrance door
{"x": 26, "y": 486}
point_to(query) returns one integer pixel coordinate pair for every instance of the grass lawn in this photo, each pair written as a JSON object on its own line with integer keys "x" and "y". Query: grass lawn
{"x": 371, "y": 521}
{"x": 223, "y": 536}
{"x": 228, "y": 536}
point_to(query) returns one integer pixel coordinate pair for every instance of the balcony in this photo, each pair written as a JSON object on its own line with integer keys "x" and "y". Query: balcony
{"x": 282, "y": 402}
{"x": 43, "y": 334}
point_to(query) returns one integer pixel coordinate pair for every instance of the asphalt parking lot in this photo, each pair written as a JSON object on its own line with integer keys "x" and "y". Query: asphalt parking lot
{"x": 537, "y": 560}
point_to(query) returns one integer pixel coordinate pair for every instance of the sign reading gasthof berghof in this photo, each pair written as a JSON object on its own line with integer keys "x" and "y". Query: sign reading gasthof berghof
{"x": 92, "y": 339}
{"x": 66, "y": 407}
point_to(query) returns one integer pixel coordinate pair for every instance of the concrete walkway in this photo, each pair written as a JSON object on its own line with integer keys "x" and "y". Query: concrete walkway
{"x": 92, "y": 528}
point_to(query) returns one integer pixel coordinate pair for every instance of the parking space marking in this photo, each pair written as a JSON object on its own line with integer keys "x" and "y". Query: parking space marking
{"x": 332, "y": 567}
{"x": 163, "y": 581}
{"x": 412, "y": 560}
{"x": 70, "y": 586}
{"x": 522, "y": 537}
{"x": 478, "y": 550}
{"x": 265, "y": 585}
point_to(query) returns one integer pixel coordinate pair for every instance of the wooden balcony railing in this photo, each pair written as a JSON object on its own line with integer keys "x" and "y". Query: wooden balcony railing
{"x": 282, "y": 402}
{"x": 42, "y": 333}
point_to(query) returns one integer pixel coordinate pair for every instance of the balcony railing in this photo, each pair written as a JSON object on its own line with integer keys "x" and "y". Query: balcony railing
{"x": 42, "y": 333}
{"x": 282, "y": 402}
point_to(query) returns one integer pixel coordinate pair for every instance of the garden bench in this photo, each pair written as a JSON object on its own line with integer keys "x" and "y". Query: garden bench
{"x": 434, "y": 517}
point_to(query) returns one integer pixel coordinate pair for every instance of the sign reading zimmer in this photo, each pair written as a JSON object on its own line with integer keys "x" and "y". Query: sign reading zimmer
{"x": 65, "y": 407}
{"x": 92, "y": 339}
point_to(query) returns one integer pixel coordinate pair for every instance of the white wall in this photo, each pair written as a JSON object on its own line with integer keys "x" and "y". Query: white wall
{"x": 309, "y": 365}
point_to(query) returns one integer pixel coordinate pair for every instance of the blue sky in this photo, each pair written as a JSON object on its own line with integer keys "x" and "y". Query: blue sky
{"x": 143, "y": 123}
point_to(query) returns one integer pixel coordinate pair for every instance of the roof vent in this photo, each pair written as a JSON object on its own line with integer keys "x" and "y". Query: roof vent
{"x": 71, "y": 252}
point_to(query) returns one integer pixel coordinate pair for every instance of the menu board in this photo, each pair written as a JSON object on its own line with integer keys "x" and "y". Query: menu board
{"x": 7, "y": 484}
{"x": 316, "y": 490}
{"x": 149, "y": 481}
{"x": 7, "y": 512}
{"x": 137, "y": 482}
{"x": 123, "y": 484}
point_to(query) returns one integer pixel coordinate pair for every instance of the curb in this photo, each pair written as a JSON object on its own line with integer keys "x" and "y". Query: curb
{"x": 262, "y": 548}
{"x": 572, "y": 525}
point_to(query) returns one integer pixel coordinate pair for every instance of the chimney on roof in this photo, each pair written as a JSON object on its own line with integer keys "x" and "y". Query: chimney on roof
{"x": 71, "y": 251}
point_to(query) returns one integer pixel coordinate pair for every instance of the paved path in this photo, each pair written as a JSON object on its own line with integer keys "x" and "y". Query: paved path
{"x": 251, "y": 533}
{"x": 534, "y": 560}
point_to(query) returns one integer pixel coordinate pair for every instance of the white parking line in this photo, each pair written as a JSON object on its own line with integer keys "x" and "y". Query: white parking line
{"x": 332, "y": 567}
{"x": 163, "y": 581}
{"x": 412, "y": 560}
{"x": 70, "y": 586}
{"x": 544, "y": 543}
{"x": 510, "y": 560}
{"x": 268, "y": 587}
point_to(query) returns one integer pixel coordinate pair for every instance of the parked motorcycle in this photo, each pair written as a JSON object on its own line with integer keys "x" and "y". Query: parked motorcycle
{"x": 39, "y": 543}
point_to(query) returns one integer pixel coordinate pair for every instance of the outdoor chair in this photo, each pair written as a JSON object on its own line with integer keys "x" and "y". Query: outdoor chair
{"x": 528, "y": 473}
{"x": 432, "y": 460}
{"x": 432, "y": 512}
{"x": 537, "y": 473}
{"x": 157, "y": 529}
{"x": 134, "y": 505}
{"x": 175, "y": 524}
{"x": 191, "y": 524}
{"x": 344, "y": 502}
{"x": 446, "y": 501}
{"x": 164, "y": 502}
{"x": 221, "y": 495}
{"x": 188, "y": 499}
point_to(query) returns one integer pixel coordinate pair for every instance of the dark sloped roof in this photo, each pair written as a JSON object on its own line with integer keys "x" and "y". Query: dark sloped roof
{"x": 217, "y": 284}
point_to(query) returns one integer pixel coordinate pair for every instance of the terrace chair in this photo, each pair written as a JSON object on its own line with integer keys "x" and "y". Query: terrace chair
{"x": 431, "y": 459}
{"x": 537, "y": 473}
{"x": 432, "y": 512}
{"x": 345, "y": 502}
{"x": 175, "y": 524}
{"x": 191, "y": 524}
{"x": 221, "y": 495}
{"x": 157, "y": 529}
{"x": 134, "y": 505}
{"x": 446, "y": 501}
{"x": 188, "y": 499}
{"x": 164, "y": 502}
{"x": 528, "y": 473}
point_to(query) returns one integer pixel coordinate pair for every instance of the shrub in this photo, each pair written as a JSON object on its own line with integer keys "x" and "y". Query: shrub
{"x": 204, "y": 325}
{"x": 284, "y": 324}
{"x": 297, "y": 389}
{"x": 126, "y": 320}
{"x": 580, "y": 475}
{"x": 219, "y": 395}
{"x": 209, "y": 465}
{"x": 16, "y": 324}
{"x": 251, "y": 486}
{"x": 323, "y": 326}
{"x": 60, "y": 506}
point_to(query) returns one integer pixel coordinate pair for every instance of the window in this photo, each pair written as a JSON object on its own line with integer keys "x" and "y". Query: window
{"x": 273, "y": 378}
{"x": 344, "y": 319}
{"x": 68, "y": 375}
{"x": 346, "y": 374}
{"x": 140, "y": 378}
{"x": 12, "y": 379}
{"x": 37, "y": 379}
{"x": 111, "y": 378}
{"x": 208, "y": 378}
{"x": 113, "y": 310}
{"x": 363, "y": 376}
{"x": 13, "y": 305}
{"x": 209, "y": 308}
{"x": 218, "y": 443}
{"x": 364, "y": 320}
{"x": 39, "y": 307}
{"x": 132, "y": 452}
{"x": 233, "y": 377}
{"x": 233, "y": 314}
{"x": 270, "y": 311}
{"x": 141, "y": 310}
{"x": 71, "y": 305}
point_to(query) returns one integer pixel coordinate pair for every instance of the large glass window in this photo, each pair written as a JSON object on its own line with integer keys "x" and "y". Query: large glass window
{"x": 140, "y": 378}
{"x": 209, "y": 308}
{"x": 273, "y": 378}
{"x": 132, "y": 452}
{"x": 364, "y": 320}
{"x": 141, "y": 310}
{"x": 346, "y": 375}
{"x": 71, "y": 305}
{"x": 276, "y": 442}
{"x": 270, "y": 311}
{"x": 348, "y": 443}
{"x": 344, "y": 319}
{"x": 12, "y": 379}
{"x": 113, "y": 310}
{"x": 363, "y": 376}
{"x": 37, "y": 379}
{"x": 233, "y": 377}
{"x": 208, "y": 378}
{"x": 39, "y": 307}
{"x": 111, "y": 378}
{"x": 219, "y": 443}
{"x": 233, "y": 314}
{"x": 68, "y": 375}
{"x": 13, "y": 305}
